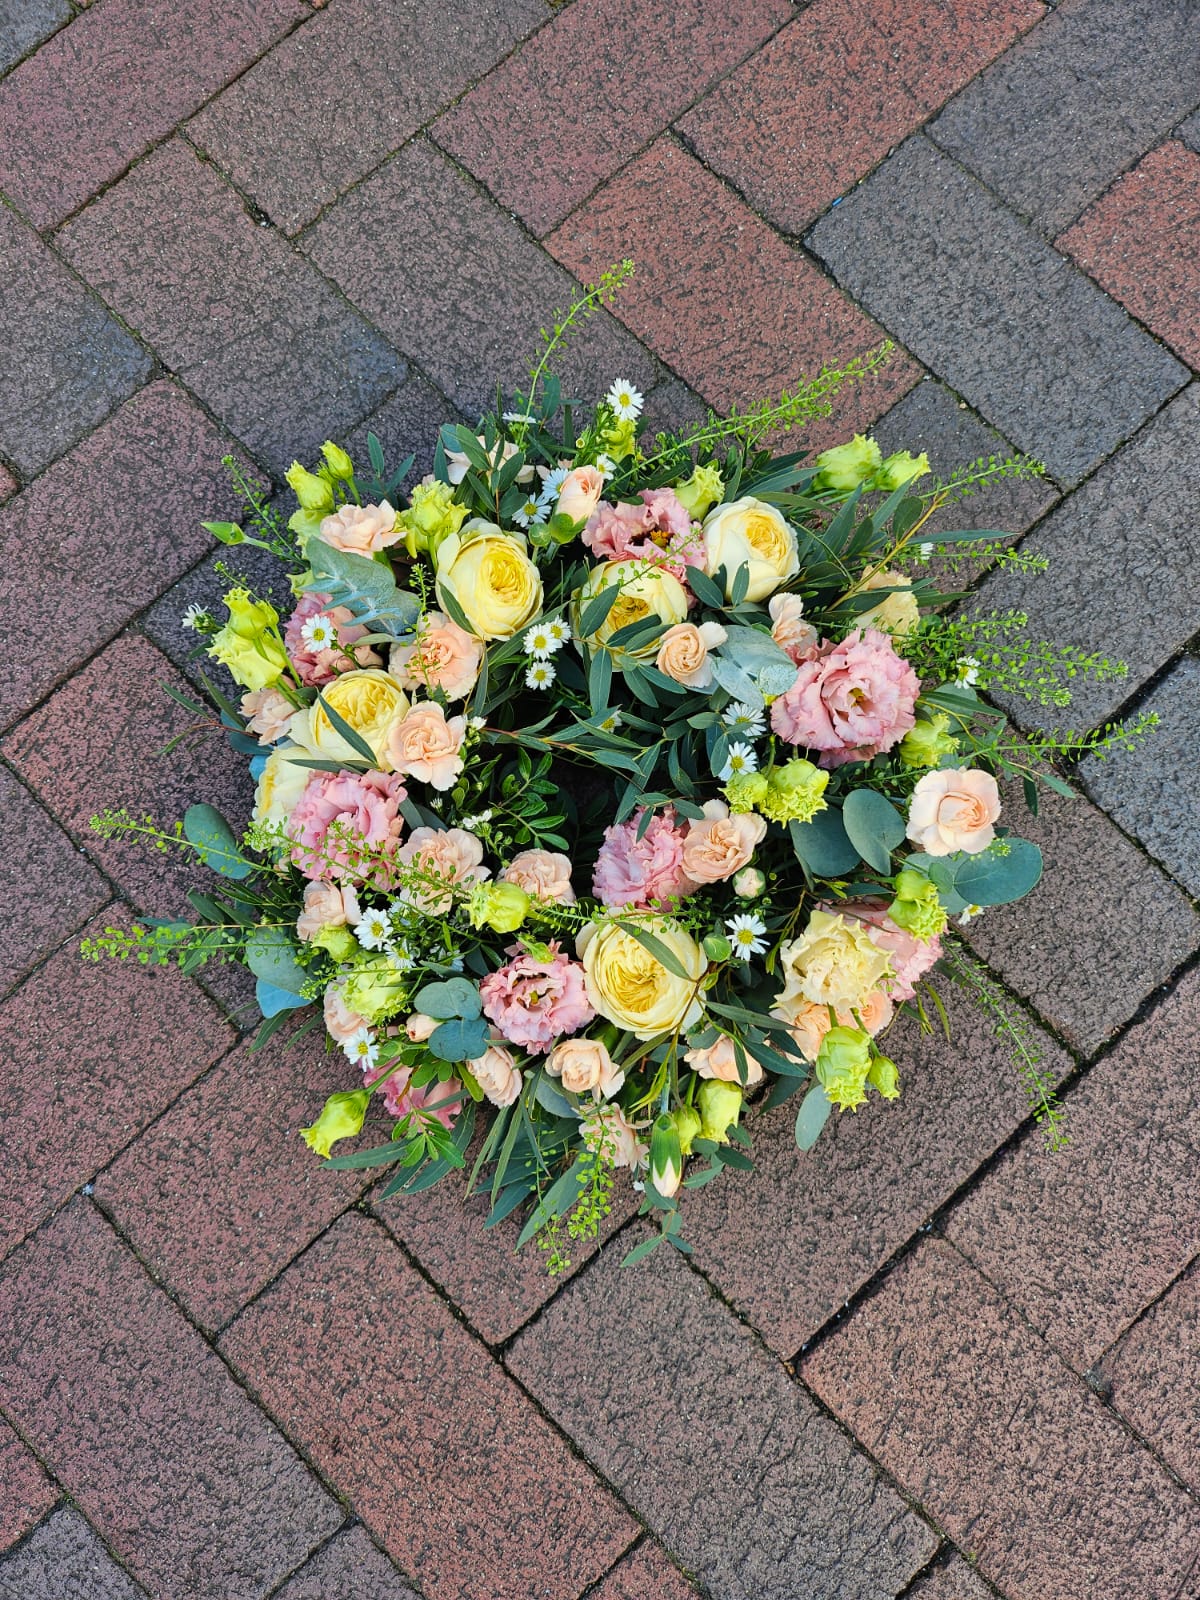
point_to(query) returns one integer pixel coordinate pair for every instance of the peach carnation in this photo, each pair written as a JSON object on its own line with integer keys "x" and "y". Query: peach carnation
{"x": 683, "y": 653}
{"x": 954, "y": 809}
{"x": 809, "y": 1023}
{"x": 451, "y": 854}
{"x": 639, "y": 872}
{"x": 326, "y": 905}
{"x": 268, "y": 714}
{"x": 720, "y": 845}
{"x": 543, "y": 874}
{"x": 852, "y": 701}
{"x": 720, "y": 1061}
{"x": 788, "y": 628}
{"x": 342, "y": 1023}
{"x": 427, "y": 745}
{"x": 444, "y": 657}
{"x": 533, "y": 1002}
{"x": 585, "y": 1064}
{"x": 361, "y": 530}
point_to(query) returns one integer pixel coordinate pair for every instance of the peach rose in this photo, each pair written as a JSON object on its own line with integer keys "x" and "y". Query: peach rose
{"x": 428, "y": 746}
{"x": 326, "y": 906}
{"x": 342, "y": 1023}
{"x": 361, "y": 530}
{"x": 458, "y": 463}
{"x": 580, "y": 493}
{"x": 418, "y": 1027}
{"x": 543, "y": 874}
{"x": 495, "y": 1071}
{"x": 451, "y": 854}
{"x": 719, "y": 1061}
{"x": 268, "y": 714}
{"x": 444, "y": 657}
{"x": 790, "y": 632}
{"x": 720, "y": 845}
{"x": 954, "y": 809}
{"x": 683, "y": 652}
{"x": 585, "y": 1064}
{"x": 809, "y": 1023}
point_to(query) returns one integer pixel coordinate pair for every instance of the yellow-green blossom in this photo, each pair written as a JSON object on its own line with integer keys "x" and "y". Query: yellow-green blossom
{"x": 338, "y": 462}
{"x": 746, "y": 790}
{"x": 701, "y": 491}
{"x": 885, "y": 1076}
{"x": 720, "y": 1107}
{"x": 249, "y": 644}
{"x": 341, "y": 1118}
{"x": 916, "y": 907}
{"x": 431, "y": 518}
{"x": 900, "y": 468}
{"x": 373, "y": 989}
{"x": 845, "y": 466}
{"x": 338, "y": 941}
{"x": 315, "y": 494}
{"x": 795, "y": 792}
{"x": 927, "y": 742}
{"x": 621, "y": 439}
{"x": 843, "y": 1064}
{"x": 502, "y": 907}
{"x": 687, "y": 1126}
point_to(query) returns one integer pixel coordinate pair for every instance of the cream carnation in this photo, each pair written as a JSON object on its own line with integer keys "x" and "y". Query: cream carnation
{"x": 895, "y": 613}
{"x": 268, "y": 714}
{"x": 834, "y": 962}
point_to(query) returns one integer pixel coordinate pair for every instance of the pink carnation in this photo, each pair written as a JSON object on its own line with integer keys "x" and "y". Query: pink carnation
{"x": 400, "y": 1099}
{"x": 317, "y": 667}
{"x": 634, "y": 872}
{"x": 911, "y": 957}
{"x": 339, "y": 816}
{"x": 851, "y": 701}
{"x": 660, "y": 530}
{"x": 534, "y": 1003}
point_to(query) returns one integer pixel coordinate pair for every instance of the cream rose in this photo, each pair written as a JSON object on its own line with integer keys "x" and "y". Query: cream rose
{"x": 280, "y": 784}
{"x": 749, "y": 531}
{"x": 895, "y": 613}
{"x": 419, "y": 1026}
{"x": 361, "y": 530}
{"x": 369, "y": 701}
{"x": 496, "y": 585}
{"x": 543, "y": 874}
{"x": 954, "y": 809}
{"x": 580, "y": 493}
{"x": 495, "y": 1071}
{"x": 585, "y": 1064}
{"x": 683, "y": 652}
{"x": 720, "y": 845}
{"x": 631, "y": 988}
{"x": 646, "y": 590}
{"x": 719, "y": 1060}
{"x": 427, "y": 745}
{"x": 834, "y": 962}
{"x": 444, "y": 657}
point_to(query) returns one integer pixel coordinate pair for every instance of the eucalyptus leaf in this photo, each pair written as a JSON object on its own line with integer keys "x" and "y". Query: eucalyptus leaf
{"x": 216, "y": 845}
{"x": 460, "y": 1039}
{"x": 271, "y": 956}
{"x": 364, "y": 587}
{"x": 990, "y": 878}
{"x": 272, "y": 1000}
{"x": 823, "y": 844}
{"x": 812, "y": 1116}
{"x": 456, "y": 997}
{"x": 874, "y": 827}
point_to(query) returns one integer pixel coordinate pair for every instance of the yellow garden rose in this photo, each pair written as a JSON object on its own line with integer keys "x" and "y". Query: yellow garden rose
{"x": 631, "y": 988}
{"x": 646, "y": 590}
{"x": 488, "y": 573}
{"x": 749, "y": 531}
{"x": 834, "y": 962}
{"x": 896, "y": 613}
{"x": 280, "y": 785}
{"x": 370, "y": 701}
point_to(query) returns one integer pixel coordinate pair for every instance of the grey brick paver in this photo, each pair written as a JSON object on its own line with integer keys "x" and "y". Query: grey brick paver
{"x": 1002, "y": 317}
{"x": 64, "y": 1560}
{"x": 348, "y": 1568}
{"x": 24, "y": 23}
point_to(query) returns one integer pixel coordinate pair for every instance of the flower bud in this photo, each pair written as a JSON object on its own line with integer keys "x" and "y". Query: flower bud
{"x": 338, "y": 462}
{"x": 720, "y": 1107}
{"x": 502, "y": 907}
{"x": 927, "y": 742}
{"x": 900, "y": 468}
{"x": 746, "y": 790}
{"x": 701, "y": 491}
{"x": 917, "y": 908}
{"x": 341, "y": 1118}
{"x": 338, "y": 940}
{"x": 687, "y": 1125}
{"x": 749, "y": 883}
{"x": 843, "y": 1062}
{"x": 845, "y": 466}
{"x": 717, "y": 947}
{"x": 885, "y": 1076}
{"x": 666, "y": 1156}
{"x": 419, "y": 1026}
{"x": 432, "y": 516}
{"x": 795, "y": 792}
{"x": 313, "y": 493}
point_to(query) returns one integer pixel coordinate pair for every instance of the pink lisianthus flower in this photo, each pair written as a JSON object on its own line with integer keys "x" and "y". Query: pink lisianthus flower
{"x": 533, "y": 1003}
{"x": 660, "y": 530}
{"x": 911, "y": 957}
{"x": 399, "y": 1099}
{"x": 342, "y": 815}
{"x": 636, "y": 872}
{"x": 321, "y": 666}
{"x": 851, "y": 701}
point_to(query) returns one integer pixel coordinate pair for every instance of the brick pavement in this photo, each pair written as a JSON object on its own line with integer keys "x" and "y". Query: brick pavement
{"x": 927, "y": 1362}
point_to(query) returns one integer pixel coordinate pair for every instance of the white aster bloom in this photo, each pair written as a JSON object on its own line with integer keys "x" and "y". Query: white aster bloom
{"x": 611, "y": 722}
{"x": 745, "y": 935}
{"x": 195, "y": 618}
{"x": 749, "y": 721}
{"x": 540, "y": 675}
{"x": 625, "y": 400}
{"x": 319, "y": 633}
{"x": 518, "y": 416}
{"x": 360, "y": 1047}
{"x": 966, "y": 671}
{"x": 531, "y": 512}
{"x": 478, "y": 723}
{"x": 969, "y": 913}
{"x": 741, "y": 760}
{"x": 538, "y": 643}
{"x": 552, "y": 481}
{"x": 606, "y": 465}
{"x": 399, "y": 958}
{"x": 559, "y": 632}
{"x": 373, "y": 929}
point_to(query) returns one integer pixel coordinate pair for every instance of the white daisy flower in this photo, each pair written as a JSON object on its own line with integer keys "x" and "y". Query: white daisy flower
{"x": 361, "y": 1048}
{"x": 540, "y": 675}
{"x": 195, "y": 618}
{"x": 398, "y": 955}
{"x": 558, "y": 631}
{"x": 745, "y": 935}
{"x": 531, "y": 512}
{"x": 606, "y": 465}
{"x": 518, "y": 416}
{"x": 966, "y": 671}
{"x": 750, "y": 721}
{"x": 373, "y": 929}
{"x": 625, "y": 400}
{"x": 925, "y": 550}
{"x": 969, "y": 913}
{"x": 319, "y": 633}
{"x": 611, "y": 722}
{"x": 478, "y": 723}
{"x": 538, "y": 642}
{"x": 741, "y": 760}
{"x": 552, "y": 481}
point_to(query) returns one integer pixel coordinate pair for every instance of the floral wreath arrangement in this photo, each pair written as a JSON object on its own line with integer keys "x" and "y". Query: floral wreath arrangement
{"x": 610, "y": 780}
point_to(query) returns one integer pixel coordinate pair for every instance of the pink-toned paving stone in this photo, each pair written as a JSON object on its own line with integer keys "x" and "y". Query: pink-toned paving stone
{"x": 1082, "y": 1240}
{"x": 350, "y": 1567}
{"x": 1141, "y": 242}
{"x": 835, "y": 1214}
{"x": 8, "y": 484}
{"x": 80, "y": 1077}
{"x": 291, "y": 365}
{"x": 644, "y": 1574}
{"x": 951, "y": 1391}
{"x": 187, "y": 1481}
{"x": 135, "y": 489}
{"x": 97, "y": 744}
{"x": 712, "y": 1442}
{"x": 64, "y": 1560}
{"x": 336, "y": 97}
{"x": 26, "y": 1493}
{"x": 953, "y": 1581}
{"x": 25, "y": 24}
{"x": 103, "y": 90}
{"x": 731, "y": 308}
{"x": 626, "y": 72}
{"x": 408, "y": 1416}
{"x": 43, "y": 872}
{"x": 222, "y": 1192}
{"x": 1154, "y": 1377}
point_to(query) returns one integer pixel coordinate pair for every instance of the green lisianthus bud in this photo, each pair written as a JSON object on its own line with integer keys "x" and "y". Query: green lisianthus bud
{"x": 373, "y": 989}
{"x": 432, "y": 516}
{"x": 701, "y": 491}
{"x": 745, "y": 790}
{"x": 842, "y": 1066}
{"x": 845, "y": 466}
{"x": 885, "y": 1076}
{"x": 621, "y": 439}
{"x": 687, "y": 1126}
{"x": 720, "y": 1108}
{"x": 314, "y": 493}
{"x": 927, "y": 741}
{"x": 717, "y": 947}
{"x": 917, "y": 907}
{"x": 502, "y": 907}
{"x": 338, "y": 940}
{"x": 795, "y": 792}
{"x": 341, "y": 1118}
{"x": 249, "y": 645}
{"x": 900, "y": 468}
{"x": 666, "y": 1156}
{"x": 338, "y": 462}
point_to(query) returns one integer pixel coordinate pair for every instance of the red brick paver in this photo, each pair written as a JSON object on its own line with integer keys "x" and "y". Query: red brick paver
{"x": 404, "y": 1412}
{"x": 644, "y": 1574}
{"x": 1154, "y": 1375}
{"x": 26, "y": 1493}
{"x": 348, "y": 1568}
{"x": 948, "y": 1388}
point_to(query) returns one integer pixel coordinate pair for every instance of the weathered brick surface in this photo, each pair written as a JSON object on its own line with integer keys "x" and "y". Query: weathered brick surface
{"x": 731, "y": 308}
{"x": 97, "y": 744}
{"x": 466, "y": 292}
{"x": 339, "y": 95}
{"x": 1155, "y": 1377}
{"x": 1010, "y": 1452}
{"x": 1122, "y": 551}
{"x": 135, "y": 490}
{"x": 953, "y": 1581}
{"x": 1059, "y": 946}
{"x": 71, "y": 362}
{"x": 186, "y": 1479}
{"x": 1141, "y": 242}
{"x": 348, "y": 1568}
{"x": 364, "y": 1365}
{"x": 595, "y": 59}
{"x": 1151, "y": 791}
{"x": 222, "y": 1192}
{"x": 25, "y": 23}
{"x": 1004, "y": 319}
{"x": 1189, "y": 132}
{"x": 829, "y": 96}
{"x": 106, "y": 88}
{"x": 1081, "y": 1240}
{"x": 293, "y": 364}
{"x": 1076, "y": 102}
{"x": 835, "y": 1214}
{"x": 26, "y": 1493}
{"x": 406, "y": 424}
{"x": 64, "y": 1560}
{"x": 710, "y": 1440}
{"x": 79, "y": 1078}
{"x": 42, "y": 872}
{"x": 644, "y": 1574}
{"x": 8, "y": 484}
